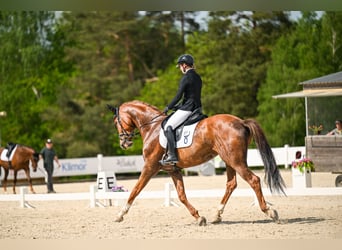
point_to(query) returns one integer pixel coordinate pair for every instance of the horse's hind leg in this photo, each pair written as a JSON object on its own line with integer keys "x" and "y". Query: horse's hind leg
{"x": 230, "y": 186}
{"x": 254, "y": 182}
{"x": 177, "y": 179}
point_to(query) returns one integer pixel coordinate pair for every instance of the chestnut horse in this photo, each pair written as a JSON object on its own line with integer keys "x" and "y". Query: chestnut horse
{"x": 21, "y": 160}
{"x": 224, "y": 135}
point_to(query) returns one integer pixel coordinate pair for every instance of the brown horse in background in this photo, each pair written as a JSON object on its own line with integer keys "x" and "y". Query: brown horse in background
{"x": 224, "y": 135}
{"x": 21, "y": 160}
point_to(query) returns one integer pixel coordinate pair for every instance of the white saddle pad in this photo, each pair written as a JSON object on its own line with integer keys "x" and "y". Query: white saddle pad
{"x": 3, "y": 156}
{"x": 185, "y": 139}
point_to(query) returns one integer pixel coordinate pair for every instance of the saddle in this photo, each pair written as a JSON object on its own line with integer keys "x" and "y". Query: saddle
{"x": 10, "y": 146}
{"x": 185, "y": 129}
{"x": 8, "y": 152}
{"x": 195, "y": 116}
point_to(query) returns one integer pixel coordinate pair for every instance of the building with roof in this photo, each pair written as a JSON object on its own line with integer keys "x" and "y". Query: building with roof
{"x": 323, "y": 100}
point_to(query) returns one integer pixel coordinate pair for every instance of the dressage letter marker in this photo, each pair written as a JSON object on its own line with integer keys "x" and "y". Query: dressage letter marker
{"x": 105, "y": 181}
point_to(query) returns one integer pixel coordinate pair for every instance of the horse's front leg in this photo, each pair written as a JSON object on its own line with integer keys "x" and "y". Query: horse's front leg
{"x": 230, "y": 186}
{"x": 144, "y": 178}
{"x": 177, "y": 179}
{"x": 27, "y": 172}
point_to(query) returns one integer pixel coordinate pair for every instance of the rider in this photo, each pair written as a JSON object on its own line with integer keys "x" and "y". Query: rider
{"x": 10, "y": 146}
{"x": 189, "y": 93}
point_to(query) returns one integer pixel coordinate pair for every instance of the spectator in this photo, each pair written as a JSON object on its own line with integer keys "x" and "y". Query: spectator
{"x": 49, "y": 155}
{"x": 338, "y": 129}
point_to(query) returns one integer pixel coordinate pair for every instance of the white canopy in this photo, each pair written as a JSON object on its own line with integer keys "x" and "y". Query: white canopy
{"x": 312, "y": 93}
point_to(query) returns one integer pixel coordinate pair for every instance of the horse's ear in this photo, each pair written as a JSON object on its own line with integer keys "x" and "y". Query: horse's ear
{"x": 111, "y": 108}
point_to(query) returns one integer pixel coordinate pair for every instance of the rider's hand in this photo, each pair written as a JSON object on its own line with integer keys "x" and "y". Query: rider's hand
{"x": 165, "y": 110}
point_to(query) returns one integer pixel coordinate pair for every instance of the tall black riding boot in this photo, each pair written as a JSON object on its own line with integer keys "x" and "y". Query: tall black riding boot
{"x": 9, "y": 147}
{"x": 171, "y": 145}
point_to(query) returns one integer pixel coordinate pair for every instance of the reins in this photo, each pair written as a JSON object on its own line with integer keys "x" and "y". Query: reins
{"x": 152, "y": 120}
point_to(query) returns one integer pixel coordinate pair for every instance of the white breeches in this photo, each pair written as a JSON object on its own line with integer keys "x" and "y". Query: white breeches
{"x": 177, "y": 118}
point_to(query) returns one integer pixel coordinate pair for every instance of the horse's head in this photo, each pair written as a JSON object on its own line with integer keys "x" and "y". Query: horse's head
{"x": 34, "y": 161}
{"x": 124, "y": 125}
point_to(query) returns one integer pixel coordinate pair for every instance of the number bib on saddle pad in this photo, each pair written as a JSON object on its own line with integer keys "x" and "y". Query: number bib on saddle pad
{"x": 184, "y": 136}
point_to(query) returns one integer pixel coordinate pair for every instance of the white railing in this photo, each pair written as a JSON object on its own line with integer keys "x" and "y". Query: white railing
{"x": 96, "y": 198}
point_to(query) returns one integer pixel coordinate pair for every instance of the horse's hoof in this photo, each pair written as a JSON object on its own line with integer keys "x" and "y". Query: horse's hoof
{"x": 202, "y": 221}
{"x": 119, "y": 219}
{"x": 273, "y": 214}
{"x": 217, "y": 220}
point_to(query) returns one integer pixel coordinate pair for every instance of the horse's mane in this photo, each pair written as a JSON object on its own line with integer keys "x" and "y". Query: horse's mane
{"x": 28, "y": 147}
{"x": 145, "y": 104}
{"x": 35, "y": 154}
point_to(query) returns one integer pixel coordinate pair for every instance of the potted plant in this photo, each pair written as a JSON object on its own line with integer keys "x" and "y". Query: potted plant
{"x": 316, "y": 129}
{"x": 301, "y": 172}
{"x": 303, "y": 164}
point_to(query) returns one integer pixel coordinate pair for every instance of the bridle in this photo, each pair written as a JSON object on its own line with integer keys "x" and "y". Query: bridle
{"x": 35, "y": 157}
{"x": 125, "y": 136}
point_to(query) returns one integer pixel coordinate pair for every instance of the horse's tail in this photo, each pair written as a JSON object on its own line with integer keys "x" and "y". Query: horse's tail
{"x": 272, "y": 175}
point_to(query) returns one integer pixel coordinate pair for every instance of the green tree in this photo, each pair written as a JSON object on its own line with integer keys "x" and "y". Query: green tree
{"x": 183, "y": 22}
{"x": 29, "y": 72}
{"x": 236, "y": 57}
{"x": 331, "y": 47}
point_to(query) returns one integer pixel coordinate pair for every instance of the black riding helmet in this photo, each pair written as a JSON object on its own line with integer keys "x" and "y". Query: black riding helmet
{"x": 187, "y": 59}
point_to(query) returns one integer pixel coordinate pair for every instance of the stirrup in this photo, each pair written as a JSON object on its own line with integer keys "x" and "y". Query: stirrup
{"x": 164, "y": 162}
{"x": 168, "y": 163}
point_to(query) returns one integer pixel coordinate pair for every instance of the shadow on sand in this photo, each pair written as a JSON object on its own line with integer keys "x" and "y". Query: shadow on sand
{"x": 307, "y": 220}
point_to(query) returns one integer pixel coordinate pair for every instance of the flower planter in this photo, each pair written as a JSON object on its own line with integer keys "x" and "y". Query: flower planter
{"x": 301, "y": 180}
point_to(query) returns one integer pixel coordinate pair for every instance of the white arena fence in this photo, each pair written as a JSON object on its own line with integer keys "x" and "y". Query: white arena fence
{"x": 100, "y": 199}
{"x": 131, "y": 164}
{"x": 105, "y": 167}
